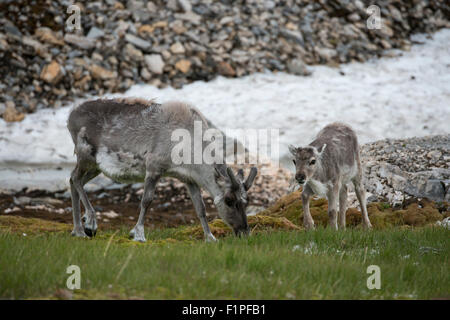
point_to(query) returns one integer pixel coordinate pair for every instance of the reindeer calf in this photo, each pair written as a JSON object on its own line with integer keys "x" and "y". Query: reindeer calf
{"x": 325, "y": 167}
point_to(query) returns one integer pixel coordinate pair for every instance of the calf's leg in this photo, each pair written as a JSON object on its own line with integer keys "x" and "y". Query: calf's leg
{"x": 333, "y": 196}
{"x": 361, "y": 195}
{"x": 342, "y": 206}
{"x": 308, "y": 221}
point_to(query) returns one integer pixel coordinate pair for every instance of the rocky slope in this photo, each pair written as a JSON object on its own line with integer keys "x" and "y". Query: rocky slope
{"x": 174, "y": 42}
{"x": 397, "y": 170}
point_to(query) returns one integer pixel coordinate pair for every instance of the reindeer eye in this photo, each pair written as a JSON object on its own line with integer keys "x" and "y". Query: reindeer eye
{"x": 294, "y": 162}
{"x": 229, "y": 201}
{"x": 312, "y": 162}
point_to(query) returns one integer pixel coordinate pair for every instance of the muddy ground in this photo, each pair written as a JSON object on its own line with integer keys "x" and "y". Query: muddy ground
{"x": 114, "y": 208}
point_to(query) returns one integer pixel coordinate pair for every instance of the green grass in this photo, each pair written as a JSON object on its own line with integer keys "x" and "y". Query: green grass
{"x": 322, "y": 264}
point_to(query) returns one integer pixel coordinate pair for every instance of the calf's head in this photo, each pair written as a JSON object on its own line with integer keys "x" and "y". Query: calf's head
{"x": 232, "y": 205}
{"x": 306, "y": 161}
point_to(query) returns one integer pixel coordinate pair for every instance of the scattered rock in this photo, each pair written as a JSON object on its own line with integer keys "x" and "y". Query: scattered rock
{"x": 226, "y": 69}
{"x": 298, "y": 67}
{"x": 99, "y": 72}
{"x": 185, "y": 5}
{"x": 154, "y": 63}
{"x": 80, "y": 41}
{"x": 47, "y": 35}
{"x": 396, "y": 170}
{"x": 138, "y": 42}
{"x": 183, "y": 65}
{"x": 95, "y": 33}
{"x": 177, "y": 48}
{"x": 217, "y": 38}
{"x": 11, "y": 114}
{"x": 52, "y": 73}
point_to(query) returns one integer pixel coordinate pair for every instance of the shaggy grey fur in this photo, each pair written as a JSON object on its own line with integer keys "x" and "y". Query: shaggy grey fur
{"x": 325, "y": 167}
{"x": 129, "y": 140}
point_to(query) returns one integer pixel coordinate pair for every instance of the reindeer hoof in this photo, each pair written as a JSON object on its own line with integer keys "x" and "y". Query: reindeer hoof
{"x": 210, "y": 238}
{"x": 90, "y": 233}
{"x": 309, "y": 226}
{"x": 79, "y": 233}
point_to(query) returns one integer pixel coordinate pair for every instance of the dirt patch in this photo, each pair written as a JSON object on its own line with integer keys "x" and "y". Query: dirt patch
{"x": 113, "y": 207}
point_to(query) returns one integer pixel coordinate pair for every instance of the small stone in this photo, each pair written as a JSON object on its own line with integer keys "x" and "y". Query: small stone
{"x": 118, "y": 6}
{"x": 298, "y": 67}
{"x": 138, "y": 42}
{"x": 95, "y": 33}
{"x": 132, "y": 53}
{"x": 154, "y": 63}
{"x": 80, "y": 41}
{"x": 47, "y": 35}
{"x": 146, "y": 29}
{"x": 189, "y": 16}
{"x": 151, "y": 7}
{"x": 178, "y": 27}
{"x": 185, "y": 5}
{"x": 177, "y": 48}
{"x": 354, "y": 17}
{"x": 145, "y": 74}
{"x": 160, "y": 24}
{"x": 99, "y": 72}
{"x": 434, "y": 154}
{"x": 52, "y": 73}
{"x": 296, "y": 36}
{"x": 183, "y": 65}
{"x": 226, "y": 69}
{"x": 11, "y": 114}
{"x": 326, "y": 53}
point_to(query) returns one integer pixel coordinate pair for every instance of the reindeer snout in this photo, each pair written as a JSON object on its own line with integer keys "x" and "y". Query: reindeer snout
{"x": 300, "y": 177}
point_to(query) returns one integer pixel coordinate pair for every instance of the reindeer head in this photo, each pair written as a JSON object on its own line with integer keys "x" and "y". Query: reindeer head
{"x": 232, "y": 204}
{"x": 306, "y": 161}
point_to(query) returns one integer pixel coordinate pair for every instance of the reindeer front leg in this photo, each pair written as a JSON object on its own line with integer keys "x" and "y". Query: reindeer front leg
{"x": 197, "y": 200}
{"x": 333, "y": 197}
{"x": 308, "y": 221}
{"x": 149, "y": 190}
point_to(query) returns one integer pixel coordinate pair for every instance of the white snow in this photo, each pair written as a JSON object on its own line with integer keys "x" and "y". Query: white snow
{"x": 379, "y": 99}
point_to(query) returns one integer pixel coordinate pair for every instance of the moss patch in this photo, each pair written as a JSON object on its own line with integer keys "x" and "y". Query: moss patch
{"x": 31, "y": 225}
{"x": 256, "y": 223}
{"x": 381, "y": 214}
{"x": 291, "y": 207}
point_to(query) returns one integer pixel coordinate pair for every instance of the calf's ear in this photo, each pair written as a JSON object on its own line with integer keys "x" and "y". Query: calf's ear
{"x": 292, "y": 149}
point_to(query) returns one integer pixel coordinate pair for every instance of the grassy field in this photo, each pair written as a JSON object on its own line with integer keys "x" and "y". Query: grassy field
{"x": 295, "y": 264}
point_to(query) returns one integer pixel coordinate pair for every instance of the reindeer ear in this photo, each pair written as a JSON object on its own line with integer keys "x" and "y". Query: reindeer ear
{"x": 322, "y": 149}
{"x": 251, "y": 177}
{"x": 240, "y": 174}
{"x": 292, "y": 149}
{"x": 234, "y": 182}
{"x": 218, "y": 176}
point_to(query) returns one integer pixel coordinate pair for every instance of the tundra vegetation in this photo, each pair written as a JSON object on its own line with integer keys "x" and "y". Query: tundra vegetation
{"x": 279, "y": 261}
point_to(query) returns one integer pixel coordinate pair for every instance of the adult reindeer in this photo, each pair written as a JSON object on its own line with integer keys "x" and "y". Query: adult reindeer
{"x": 129, "y": 140}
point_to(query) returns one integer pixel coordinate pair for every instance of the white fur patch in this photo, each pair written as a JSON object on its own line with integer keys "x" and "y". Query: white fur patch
{"x": 318, "y": 187}
{"x": 120, "y": 166}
